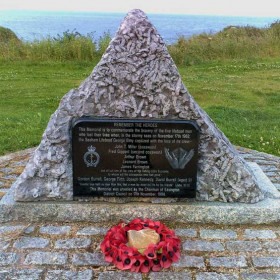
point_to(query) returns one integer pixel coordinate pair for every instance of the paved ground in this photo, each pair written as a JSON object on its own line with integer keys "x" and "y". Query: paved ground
{"x": 71, "y": 251}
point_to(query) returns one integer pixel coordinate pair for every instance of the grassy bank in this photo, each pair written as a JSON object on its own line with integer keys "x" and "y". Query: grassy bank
{"x": 231, "y": 43}
{"x": 242, "y": 96}
{"x": 70, "y": 46}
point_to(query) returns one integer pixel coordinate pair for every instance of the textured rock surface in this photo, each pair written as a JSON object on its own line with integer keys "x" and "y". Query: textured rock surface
{"x": 69, "y": 275}
{"x": 55, "y": 230}
{"x": 136, "y": 78}
{"x": 55, "y": 263}
{"x": 31, "y": 242}
{"x": 218, "y": 234}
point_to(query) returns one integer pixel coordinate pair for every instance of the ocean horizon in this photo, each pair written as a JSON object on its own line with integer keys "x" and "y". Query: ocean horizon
{"x": 35, "y": 25}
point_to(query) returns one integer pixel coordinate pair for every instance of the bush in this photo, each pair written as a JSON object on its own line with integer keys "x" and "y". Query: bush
{"x": 233, "y": 42}
{"x": 68, "y": 46}
{"x": 103, "y": 42}
{"x": 7, "y": 35}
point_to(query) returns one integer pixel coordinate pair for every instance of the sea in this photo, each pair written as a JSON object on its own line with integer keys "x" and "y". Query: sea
{"x": 30, "y": 25}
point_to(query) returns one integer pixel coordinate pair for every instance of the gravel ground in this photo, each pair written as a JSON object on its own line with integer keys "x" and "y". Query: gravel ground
{"x": 70, "y": 251}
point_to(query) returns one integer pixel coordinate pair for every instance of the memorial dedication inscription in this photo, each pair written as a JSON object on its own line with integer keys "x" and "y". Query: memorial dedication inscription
{"x": 134, "y": 158}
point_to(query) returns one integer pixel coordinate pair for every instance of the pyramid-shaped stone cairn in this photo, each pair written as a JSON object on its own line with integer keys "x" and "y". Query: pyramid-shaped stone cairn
{"x": 136, "y": 78}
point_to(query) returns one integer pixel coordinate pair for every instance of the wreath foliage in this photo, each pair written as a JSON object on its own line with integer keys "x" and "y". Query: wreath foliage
{"x": 155, "y": 257}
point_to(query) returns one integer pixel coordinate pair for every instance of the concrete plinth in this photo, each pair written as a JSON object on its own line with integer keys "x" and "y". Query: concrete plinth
{"x": 191, "y": 211}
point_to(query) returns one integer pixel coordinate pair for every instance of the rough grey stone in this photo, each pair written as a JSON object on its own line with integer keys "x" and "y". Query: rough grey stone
{"x": 2, "y": 183}
{"x": 272, "y": 246}
{"x": 277, "y": 186}
{"x": 92, "y": 231}
{"x": 265, "y": 162}
{"x": 69, "y": 275}
{"x": 260, "y": 276}
{"x": 72, "y": 243}
{"x": 138, "y": 78}
{"x": 31, "y": 242}
{"x": 170, "y": 276}
{"x": 266, "y": 211}
{"x": 268, "y": 168}
{"x": 26, "y": 274}
{"x": 215, "y": 276}
{"x": 4, "y": 244}
{"x": 266, "y": 186}
{"x": 260, "y": 234}
{"x": 190, "y": 261}
{"x": 89, "y": 259}
{"x": 199, "y": 245}
{"x": 6, "y": 170}
{"x": 8, "y": 177}
{"x": 243, "y": 246}
{"x": 4, "y": 274}
{"x": 228, "y": 262}
{"x": 9, "y": 229}
{"x": 55, "y": 229}
{"x": 6, "y": 158}
{"x": 275, "y": 179}
{"x": 29, "y": 229}
{"x": 109, "y": 275}
{"x": 19, "y": 163}
{"x": 8, "y": 258}
{"x": 266, "y": 261}
{"x": 44, "y": 258}
{"x": 271, "y": 174}
{"x": 186, "y": 232}
{"x": 218, "y": 234}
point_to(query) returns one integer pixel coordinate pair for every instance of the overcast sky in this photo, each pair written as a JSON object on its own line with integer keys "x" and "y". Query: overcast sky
{"x": 209, "y": 7}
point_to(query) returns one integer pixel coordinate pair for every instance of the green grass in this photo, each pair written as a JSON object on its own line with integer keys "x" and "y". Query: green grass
{"x": 29, "y": 93}
{"x": 66, "y": 47}
{"x": 233, "y": 42}
{"x": 242, "y": 97}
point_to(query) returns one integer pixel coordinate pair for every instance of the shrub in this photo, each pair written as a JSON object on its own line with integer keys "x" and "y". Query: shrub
{"x": 233, "y": 42}
{"x": 71, "y": 45}
{"x": 7, "y": 35}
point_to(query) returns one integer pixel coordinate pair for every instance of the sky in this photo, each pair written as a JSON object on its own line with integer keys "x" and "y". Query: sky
{"x": 267, "y": 8}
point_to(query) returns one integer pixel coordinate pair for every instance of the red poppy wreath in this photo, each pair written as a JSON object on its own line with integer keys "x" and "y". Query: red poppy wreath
{"x": 118, "y": 249}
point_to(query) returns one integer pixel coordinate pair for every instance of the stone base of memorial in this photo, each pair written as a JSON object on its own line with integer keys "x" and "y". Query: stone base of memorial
{"x": 190, "y": 211}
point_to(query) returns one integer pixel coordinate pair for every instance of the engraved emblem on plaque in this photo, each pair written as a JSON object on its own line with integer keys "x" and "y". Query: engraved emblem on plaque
{"x": 91, "y": 157}
{"x": 179, "y": 157}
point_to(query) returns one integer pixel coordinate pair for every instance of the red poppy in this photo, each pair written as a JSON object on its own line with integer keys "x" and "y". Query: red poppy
{"x": 111, "y": 256}
{"x": 139, "y": 260}
{"x": 155, "y": 257}
{"x": 156, "y": 264}
{"x": 150, "y": 252}
{"x": 146, "y": 266}
{"x": 165, "y": 262}
{"x": 173, "y": 252}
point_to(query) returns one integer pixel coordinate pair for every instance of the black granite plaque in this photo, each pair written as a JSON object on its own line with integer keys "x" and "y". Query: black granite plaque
{"x": 134, "y": 158}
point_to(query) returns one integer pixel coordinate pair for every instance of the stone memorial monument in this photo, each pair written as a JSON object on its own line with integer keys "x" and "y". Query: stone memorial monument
{"x": 134, "y": 89}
